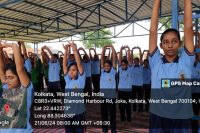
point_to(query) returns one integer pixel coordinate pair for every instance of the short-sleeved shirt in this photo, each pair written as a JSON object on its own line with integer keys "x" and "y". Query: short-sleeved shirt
{"x": 125, "y": 79}
{"x": 108, "y": 83}
{"x": 87, "y": 68}
{"x": 162, "y": 69}
{"x": 28, "y": 65}
{"x": 54, "y": 71}
{"x": 95, "y": 66}
{"x": 137, "y": 75}
{"x": 146, "y": 75}
{"x": 196, "y": 71}
{"x": 15, "y": 98}
{"x": 75, "y": 86}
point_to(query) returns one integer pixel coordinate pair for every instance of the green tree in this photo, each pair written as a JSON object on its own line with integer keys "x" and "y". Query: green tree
{"x": 168, "y": 22}
{"x": 28, "y": 45}
{"x": 97, "y": 39}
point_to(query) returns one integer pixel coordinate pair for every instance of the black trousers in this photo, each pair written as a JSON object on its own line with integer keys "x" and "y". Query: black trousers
{"x": 137, "y": 93}
{"x": 54, "y": 87}
{"x": 108, "y": 110}
{"x": 96, "y": 82}
{"x": 125, "y": 108}
{"x": 88, "y": 86}
{"x": 147, "y": 93}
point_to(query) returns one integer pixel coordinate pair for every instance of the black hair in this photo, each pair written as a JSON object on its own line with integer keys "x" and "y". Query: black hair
{"x": 12, "y": 68}
{"x": 72, "y": 64}
{"x": 124, "y": 61}
{"x": 146, "y": 60}
{"x": 22, "y": 56}
{"x": 108, "y": 62}
{"x": 10, "y": 59}
{"x": 136, "y": 58}
{"x": 85, "y": 57}
{"x": 55, "y": 55}
{"x": 170, "y": 30}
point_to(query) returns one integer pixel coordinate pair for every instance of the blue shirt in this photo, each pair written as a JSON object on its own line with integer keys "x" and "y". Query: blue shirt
{"x": 95, "y": 67}
{"x": 146, "y": 75}
{"x": 87, "y": 68}
{"x": 54, "y": 71}
{"x": 125, "y": 79}
{"x": 108, "y": 83}
{"x": 28, "y": 65}
{"x": 29, "y": 129}
{"x": 77, "y": 86}
{"x": 137, "y": 75}
{"x": 161, "y": 69}
{"x": 196, "y": 71}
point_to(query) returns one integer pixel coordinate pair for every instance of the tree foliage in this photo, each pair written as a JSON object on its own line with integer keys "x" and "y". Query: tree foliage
{"x": 97, "y": 39}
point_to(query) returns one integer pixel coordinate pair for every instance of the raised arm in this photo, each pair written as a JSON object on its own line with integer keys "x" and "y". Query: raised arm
{"x": 20, "y": 46}
{"x": 49, "y": 51}
{"x": 140, "y": 54}
{"x": 120, "y": 55}
{"x": 88, "y": 58}
{"x": 60, "y": 53}
{"x": 188, "y": 32}
{"x": 24, "y": 50}
{"x": 77, "y": 58}
{"x": 109, "y": 54}
{"x": 2, "y": 74}
{"x": 91, "y": 49}
{"x": 5, "y": 55}
{"x": 23, "y": 77}
{"x": 154, "y": 27}
{"x": 147, "y": 51}
{"x": 129, "y": 55}
{"x": 65, "y": 59}
{"x": 114, "y": 57}
{"x": 46, "y": 57}
{"x": 103, "y": 56}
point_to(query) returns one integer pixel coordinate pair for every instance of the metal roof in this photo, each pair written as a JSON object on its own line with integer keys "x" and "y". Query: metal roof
{"x": 42, "y": 20}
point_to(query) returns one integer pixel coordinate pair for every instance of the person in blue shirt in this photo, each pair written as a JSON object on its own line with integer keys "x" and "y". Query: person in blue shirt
{"x": 108, "y": 88}
{"x": 74, "y": 75}
{"x": 125, "y": 85}
{"x": 16, "y": 85}
{"x": 137, "y": 82}
{"x": 53, "y": 73}
{"x": 87, "y": 67}
{"x": 196, "y": 89}
{"x": 167, "y": 117}
{"x": 146, "y": 82}
{"x": 95, "y": 62}
{"x": 27, "y": 60}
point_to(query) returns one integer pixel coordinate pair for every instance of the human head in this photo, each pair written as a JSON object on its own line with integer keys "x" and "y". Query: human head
{"x": 12, "y": 79}
{"x": 136, "y": 61}
{"x": 107, "y": 65}
{"x": 146, "y": 63}
{"x": 124, "y": 64}
{"x": 73, "y": 70}
{"x": 54, "y": 57}
{"x": 170, "y": 42}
